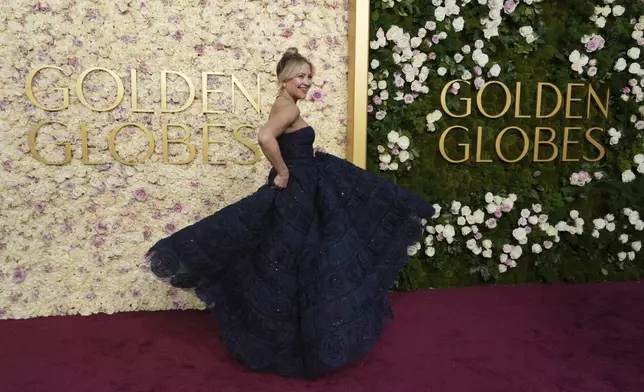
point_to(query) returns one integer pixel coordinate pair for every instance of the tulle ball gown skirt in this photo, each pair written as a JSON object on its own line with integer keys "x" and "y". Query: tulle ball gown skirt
{"x": 297, "y": 278}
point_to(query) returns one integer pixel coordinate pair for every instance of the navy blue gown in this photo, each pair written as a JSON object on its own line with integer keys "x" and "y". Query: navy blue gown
{"x": 297, "y": 278}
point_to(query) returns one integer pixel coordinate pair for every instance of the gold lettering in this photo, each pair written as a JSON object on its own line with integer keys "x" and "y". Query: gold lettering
{"x": 526, "y": 144}
{"x": 479, "y": 146}
{"x": 570, "y": 99}
{"x": 508, "y": 99}
{"x": 205, "y": 91}
{"x": 206, "y": 142}
{"x": 538, "y": 142}
{"x": 111, "y": 143}
{"x": 34, "y": 151}
{"x": 517, "y": 103}
{"x": 135, "y": 105}
{"x": 119, "y": 89}
{"x": 566, "y": 142}
{"x": 246, "y": 142}
{"x": 85, "y": 147}
{"x": 441, "y": 146}
{"x": 592, "y": 94}
{"x": 32, "y": 97}
{"x": 192, "y": 151}
{"x": 600, "y": 148}
{"x": 164, "y": 92}
{"x": 540, "y": 100}
{"x": 235, "y": 82}
{"x": 468, "y": 101}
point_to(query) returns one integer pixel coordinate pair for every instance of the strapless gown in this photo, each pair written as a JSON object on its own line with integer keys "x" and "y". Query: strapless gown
{"x": 297, "y": 279}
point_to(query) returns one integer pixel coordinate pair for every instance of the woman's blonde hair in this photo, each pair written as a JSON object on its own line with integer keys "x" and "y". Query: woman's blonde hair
{"x": 289, "y": 65}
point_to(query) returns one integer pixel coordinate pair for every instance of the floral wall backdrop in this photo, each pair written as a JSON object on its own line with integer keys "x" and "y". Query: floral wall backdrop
{"x": 72, "y": 236}
{"x": 576, "y": 215}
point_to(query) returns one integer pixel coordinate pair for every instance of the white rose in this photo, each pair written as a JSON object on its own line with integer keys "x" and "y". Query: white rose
{"x": 635, "y": 68}
{"x": 516, "y": 252}
{"x": 441, "y": 71}
{"x": 403, "y": 142}
{"x": 495, "y": 70}
{"x": 536, "y": 248}
{"x": 470, "y": 244}
{"x": 375, "y": 63}
{"x": 623, "y": 238}
{"x": 403, "y": 156}
{"x": 458, "y": 58}
{"x": 487, "y": 253}
{"x": 599, "y": 224}
{"x": 638, "y": 159}
{"x": 600, "y": 22}
{"x": 465, "y": 230}
{"x": 440, "y": 13}
{"x": 526, "y": 31}
{"x": 479, "y": 216}
{"x": 637, "y": 246}
{"x": 503, "y": 258}
{"x": 385, "y": 158}
{"x": 393, "y": 166}
{"x": 466, "y": 49}
{"x": 507, "y": 248}
{"x": 502, "y": 268}
{"x": 621, "y": 256}
{"x": 487, "y": 244}
{"x": 620, "y": 65}
{"x": 519, "y": 233}
{"x": 618, "y": 10}
{"x": 411, "y": 251}
{"x": 489, "y": 197}
{"x": 458, "y": 24}
{"x": 430, "y": 252}
{"x": 634, "y": 53}
{"x": 574, "y": 214}
{"x": 456, "y": 207}
{"x": 461, "y": 221}
{"x": 478, "y": 44}
{"x": 393, "y": 136}
{"x": 449, "y": 231}
{"x": 628, "y": 176}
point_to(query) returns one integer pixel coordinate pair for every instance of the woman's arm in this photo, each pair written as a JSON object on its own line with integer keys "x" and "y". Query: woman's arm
{"x": 285, "y": 115}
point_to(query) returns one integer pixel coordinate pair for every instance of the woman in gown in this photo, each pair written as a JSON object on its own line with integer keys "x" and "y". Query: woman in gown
{"x": 297, "y": 273}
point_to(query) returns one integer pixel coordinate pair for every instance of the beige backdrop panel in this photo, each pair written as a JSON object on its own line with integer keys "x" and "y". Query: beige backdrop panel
{"x": 72, "y": 236}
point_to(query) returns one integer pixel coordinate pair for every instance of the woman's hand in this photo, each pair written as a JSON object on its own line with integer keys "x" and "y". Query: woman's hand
{"x": 281, "y": 180}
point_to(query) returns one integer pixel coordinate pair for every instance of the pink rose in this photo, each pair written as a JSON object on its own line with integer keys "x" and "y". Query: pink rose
{"x": 509, "y": 6}
{"x": 479, "y": 82}
{"x": 595, "y": 43}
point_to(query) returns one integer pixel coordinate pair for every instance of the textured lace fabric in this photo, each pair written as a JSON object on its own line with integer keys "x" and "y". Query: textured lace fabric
{"x": 298, "y": 278}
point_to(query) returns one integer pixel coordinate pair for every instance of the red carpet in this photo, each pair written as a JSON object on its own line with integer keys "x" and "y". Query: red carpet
{"x": 582, "y": 338}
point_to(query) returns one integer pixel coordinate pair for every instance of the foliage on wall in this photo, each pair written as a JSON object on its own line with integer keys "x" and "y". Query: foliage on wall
{"x": 503, "y": 215}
